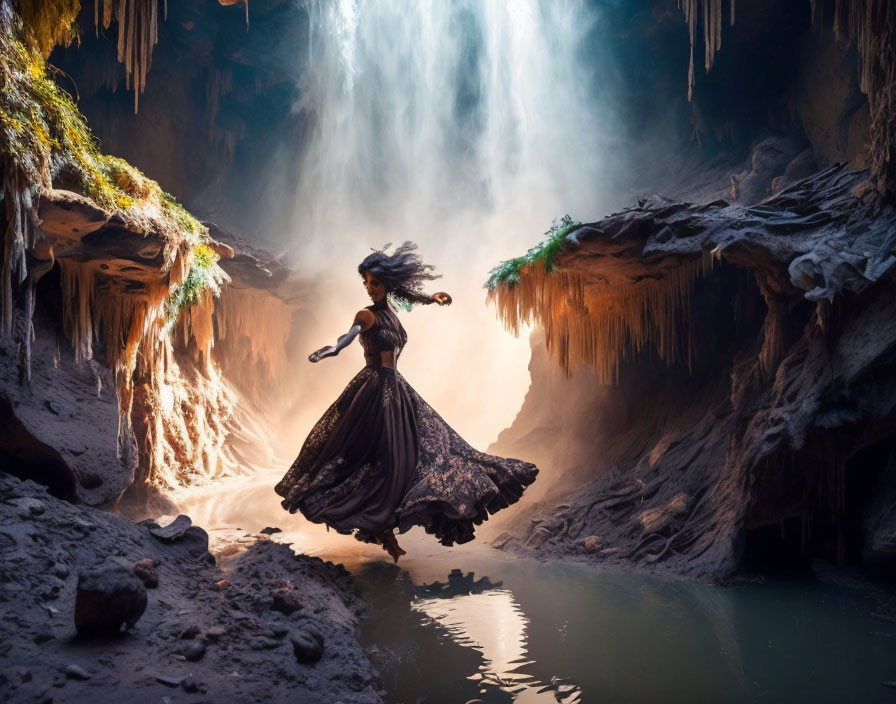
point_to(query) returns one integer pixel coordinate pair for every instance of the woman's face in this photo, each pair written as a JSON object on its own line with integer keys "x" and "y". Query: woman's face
{"x": 376, "y": 289}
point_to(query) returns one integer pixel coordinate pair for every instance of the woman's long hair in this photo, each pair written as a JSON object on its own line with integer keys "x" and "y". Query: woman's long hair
{"x": 403, "y": 273}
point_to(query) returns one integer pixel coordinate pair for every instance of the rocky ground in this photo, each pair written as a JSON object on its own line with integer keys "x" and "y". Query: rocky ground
{"x": 273, "y": 627}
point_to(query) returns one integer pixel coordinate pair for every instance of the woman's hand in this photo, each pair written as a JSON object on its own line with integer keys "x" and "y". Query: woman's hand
{"x": 323, "y": 352}
{"x": 442, "y": 298}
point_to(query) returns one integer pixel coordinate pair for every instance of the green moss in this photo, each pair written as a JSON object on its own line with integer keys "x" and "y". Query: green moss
{"x": 45, "y": 137}
{"x": 204, "y": 275}
{"x": 507, "y": 273}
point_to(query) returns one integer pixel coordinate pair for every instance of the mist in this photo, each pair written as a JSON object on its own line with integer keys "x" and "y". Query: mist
{"x": 467, "y": 127}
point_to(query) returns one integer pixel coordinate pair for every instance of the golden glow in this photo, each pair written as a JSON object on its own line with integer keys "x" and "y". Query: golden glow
{"x": 601, "y": 323}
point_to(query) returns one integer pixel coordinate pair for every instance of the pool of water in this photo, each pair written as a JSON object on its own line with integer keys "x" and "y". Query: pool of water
{"x": 471, "y": 622}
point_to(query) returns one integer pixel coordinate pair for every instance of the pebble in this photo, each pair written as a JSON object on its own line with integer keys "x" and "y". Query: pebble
{"x": 193, "y": 650}
{"x": 170, "y": 681}
{"x": 286, "y": 601}
{"x": 190, "y": 631}
{"x": 29, "y": 506}
{"x": 306, "y": 647}
{"x": 145, "y": 570}
{"x": 216, "y": 632}
{"x": 593, "y": 543}
{"x": 42, "y": 637}
{"x": 263, "y": 643}
{"x": 76, "y": 672}
{"x": 60, "y": 570}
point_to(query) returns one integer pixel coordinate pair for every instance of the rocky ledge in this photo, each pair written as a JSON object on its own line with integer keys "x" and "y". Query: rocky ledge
{"x": 275, "y": 627}
{"x": 741, "y": 363}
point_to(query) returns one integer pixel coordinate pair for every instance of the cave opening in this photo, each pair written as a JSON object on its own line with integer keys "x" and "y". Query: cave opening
{"x": 821, "y": 503}
{"x": 26, "y": 457}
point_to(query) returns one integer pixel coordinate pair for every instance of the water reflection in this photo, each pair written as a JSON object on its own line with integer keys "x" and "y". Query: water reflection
{"x": 508, "y": 630}
{"x": 493, "y": 623}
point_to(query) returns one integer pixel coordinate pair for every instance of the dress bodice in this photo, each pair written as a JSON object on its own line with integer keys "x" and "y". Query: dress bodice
{"x": 385, "y": 335}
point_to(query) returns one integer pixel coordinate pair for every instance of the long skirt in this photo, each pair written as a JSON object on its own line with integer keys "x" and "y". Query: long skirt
{"x": 381, "y": 457}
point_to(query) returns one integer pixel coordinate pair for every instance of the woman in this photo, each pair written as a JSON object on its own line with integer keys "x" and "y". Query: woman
{"x": 380, "y": 457}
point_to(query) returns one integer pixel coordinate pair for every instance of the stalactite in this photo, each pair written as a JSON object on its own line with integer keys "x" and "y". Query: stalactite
{"x": 21, "y": 219}
{"x": 871, "y": 25}
{"x": 248, "y": 322}
{"x": 138, "y": 33}
{"x": 601, "y": 324}
{"x": 712, "y": 31}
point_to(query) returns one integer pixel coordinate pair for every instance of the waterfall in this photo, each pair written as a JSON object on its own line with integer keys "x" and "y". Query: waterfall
{"x": 466, "y": 126}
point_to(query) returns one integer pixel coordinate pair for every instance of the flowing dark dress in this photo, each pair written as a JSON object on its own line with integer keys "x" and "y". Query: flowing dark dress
{"x": 381, "y": 457}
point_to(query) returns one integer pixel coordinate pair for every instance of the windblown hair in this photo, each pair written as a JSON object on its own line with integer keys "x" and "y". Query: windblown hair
{"x": 403, "y": 273}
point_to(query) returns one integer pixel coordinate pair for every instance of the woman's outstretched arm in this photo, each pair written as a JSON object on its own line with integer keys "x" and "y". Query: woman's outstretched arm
{"x": 363, "y": 321}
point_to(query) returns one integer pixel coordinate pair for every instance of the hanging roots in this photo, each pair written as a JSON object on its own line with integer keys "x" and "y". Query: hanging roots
{"x": 138, "y": 33}
{"x": 602, "y": 324}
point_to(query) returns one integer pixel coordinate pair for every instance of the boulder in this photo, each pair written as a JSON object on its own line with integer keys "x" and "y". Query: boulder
{"x": 107, "y": 597}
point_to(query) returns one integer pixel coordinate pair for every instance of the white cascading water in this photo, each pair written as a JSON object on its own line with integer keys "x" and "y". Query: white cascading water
{"x": 467, "y": 126}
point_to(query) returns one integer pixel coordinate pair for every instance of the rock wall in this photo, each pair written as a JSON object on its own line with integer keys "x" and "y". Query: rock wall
{"x": 761, "y": 397}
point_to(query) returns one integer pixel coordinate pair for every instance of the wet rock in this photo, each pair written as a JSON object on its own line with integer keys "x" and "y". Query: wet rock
{"x": 76, "y": 672}
{"x": 306, "y": 647}
{"x": 195, "y": 540}
{"x": 286, "y": 601}
{"x": 174, "y": 530}
{"x": 193, "y": 650}
{"x": 108, "y": 596}
{"x": 170, "y": 681}
{"x": 145, "y": 570}
{"x": 592, "y": 543}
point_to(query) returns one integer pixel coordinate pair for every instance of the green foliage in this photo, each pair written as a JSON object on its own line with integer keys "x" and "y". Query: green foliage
{"x": 204, "y": 276}
{"x": 398, "y": 303}
{"x": 507, "y": 273}
{"x": 43, "y": 137}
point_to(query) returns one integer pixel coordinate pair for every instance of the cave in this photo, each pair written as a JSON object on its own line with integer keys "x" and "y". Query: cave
{"x": 634, "y": 260}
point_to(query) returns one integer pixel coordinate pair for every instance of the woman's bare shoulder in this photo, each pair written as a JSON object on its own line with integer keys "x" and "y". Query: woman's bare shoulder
{"x": 365, "y": 318}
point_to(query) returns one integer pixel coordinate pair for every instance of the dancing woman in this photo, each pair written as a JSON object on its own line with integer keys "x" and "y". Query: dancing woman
{"x": 380, "y": 457}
